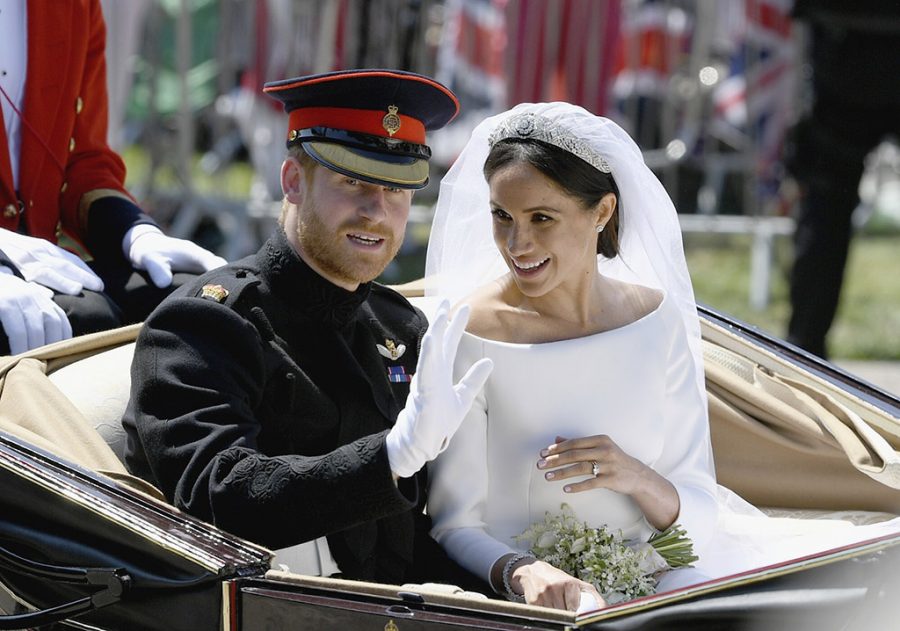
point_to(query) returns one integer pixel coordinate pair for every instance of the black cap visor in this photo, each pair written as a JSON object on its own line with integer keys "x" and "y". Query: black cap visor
{"x": 372, "y": 159}
{"x": 369, "y": 166}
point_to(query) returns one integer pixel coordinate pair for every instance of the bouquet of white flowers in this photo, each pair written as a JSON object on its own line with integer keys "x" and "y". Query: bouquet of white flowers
{"x": 620, "y": 570}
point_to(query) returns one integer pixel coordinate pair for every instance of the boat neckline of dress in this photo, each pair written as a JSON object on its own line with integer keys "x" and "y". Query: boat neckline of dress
{"x": 623, "y": 327}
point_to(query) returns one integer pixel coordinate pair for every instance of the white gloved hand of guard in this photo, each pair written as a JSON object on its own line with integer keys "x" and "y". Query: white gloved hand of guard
{"x": 29, "y": 316}
{"x": 436, "y": 406}
{"x": 149, "y": 249}
{"x": 47, "y": 264}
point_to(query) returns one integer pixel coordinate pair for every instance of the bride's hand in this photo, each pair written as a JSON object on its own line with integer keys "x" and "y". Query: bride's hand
{"x": 546, "y": 586}
{"x": 598, "y": 457}
{"x": 609, "y": 467}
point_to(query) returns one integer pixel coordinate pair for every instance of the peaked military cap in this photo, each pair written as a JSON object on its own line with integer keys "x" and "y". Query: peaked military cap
{"x": 368, "y": 124}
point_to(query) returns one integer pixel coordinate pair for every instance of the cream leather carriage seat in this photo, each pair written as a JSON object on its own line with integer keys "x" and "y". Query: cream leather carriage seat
{"x": 99, "y": 387}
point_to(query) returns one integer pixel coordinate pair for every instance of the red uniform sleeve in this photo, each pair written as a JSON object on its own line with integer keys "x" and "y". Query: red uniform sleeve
{"x": 91, "y": 164}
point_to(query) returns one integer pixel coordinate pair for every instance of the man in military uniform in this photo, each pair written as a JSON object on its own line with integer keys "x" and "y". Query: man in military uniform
{"x": 275, "y": 396}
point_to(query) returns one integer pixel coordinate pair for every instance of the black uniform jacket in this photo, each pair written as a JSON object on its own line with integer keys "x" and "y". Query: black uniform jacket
{"x": 260, "y": 402}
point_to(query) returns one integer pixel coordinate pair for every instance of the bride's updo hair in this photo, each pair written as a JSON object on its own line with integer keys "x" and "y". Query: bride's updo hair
{"x": 575, "y": 176}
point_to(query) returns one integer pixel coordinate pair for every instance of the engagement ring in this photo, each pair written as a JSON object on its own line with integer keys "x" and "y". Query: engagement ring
{"x": 595, "y": 468}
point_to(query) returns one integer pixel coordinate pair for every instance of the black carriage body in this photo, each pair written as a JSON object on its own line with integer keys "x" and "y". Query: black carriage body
{"x": 852, "y": 590}
{"x": 78, "y": 546}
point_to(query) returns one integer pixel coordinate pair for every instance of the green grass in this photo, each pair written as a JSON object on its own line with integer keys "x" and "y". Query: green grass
{"x": 867, "y": 325}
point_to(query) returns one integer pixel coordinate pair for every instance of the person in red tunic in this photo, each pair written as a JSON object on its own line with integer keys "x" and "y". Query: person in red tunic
{"x": 59, "y": 176}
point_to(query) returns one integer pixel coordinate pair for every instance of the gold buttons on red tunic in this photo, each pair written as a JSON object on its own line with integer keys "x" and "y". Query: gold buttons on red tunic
{"x": 71, "y": 144}
{"x": 10, "y": 211}
{"x": 79, "y": 105}
{"x": 63, "y": 188}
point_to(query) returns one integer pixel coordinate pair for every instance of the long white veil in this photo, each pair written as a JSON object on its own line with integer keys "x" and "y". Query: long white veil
{"x": 461, "y": 253}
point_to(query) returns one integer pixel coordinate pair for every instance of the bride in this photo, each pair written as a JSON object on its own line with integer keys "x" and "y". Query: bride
{"x": 583, "y": 301}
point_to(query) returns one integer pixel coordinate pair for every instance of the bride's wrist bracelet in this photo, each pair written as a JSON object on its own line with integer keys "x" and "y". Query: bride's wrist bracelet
{"x": 507, "y": 575}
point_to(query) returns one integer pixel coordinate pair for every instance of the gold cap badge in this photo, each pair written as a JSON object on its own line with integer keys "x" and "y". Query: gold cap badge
{"x": 391, "y": 120}
{"x": 214, "y": 292}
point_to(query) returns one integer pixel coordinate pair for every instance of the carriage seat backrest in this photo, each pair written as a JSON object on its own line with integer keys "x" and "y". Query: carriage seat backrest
{"x": 99, "y": 386}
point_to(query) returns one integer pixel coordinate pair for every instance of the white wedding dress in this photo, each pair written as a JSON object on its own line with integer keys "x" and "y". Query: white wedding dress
{"x": 634, "y": 384}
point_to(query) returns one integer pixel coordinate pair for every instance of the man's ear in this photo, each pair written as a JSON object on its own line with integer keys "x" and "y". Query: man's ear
{"x": 293, "y": 181}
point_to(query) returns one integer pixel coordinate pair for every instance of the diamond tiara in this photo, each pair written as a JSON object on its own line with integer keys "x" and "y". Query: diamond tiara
{"x": 536, "y": 127}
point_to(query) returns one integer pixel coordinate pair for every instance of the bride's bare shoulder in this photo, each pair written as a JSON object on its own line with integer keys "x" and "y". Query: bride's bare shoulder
{"x": 638, "y": 300}
{"x": 486, "y": 304}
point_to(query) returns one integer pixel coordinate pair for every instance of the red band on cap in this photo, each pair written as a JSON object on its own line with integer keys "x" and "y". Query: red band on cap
{"x": 363, "y": 121}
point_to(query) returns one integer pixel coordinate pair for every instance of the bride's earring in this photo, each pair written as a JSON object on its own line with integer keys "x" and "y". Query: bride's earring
{"x": 600, "y": 228}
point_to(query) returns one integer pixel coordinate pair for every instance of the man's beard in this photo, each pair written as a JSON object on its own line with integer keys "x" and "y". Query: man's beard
{"x": 328, "y": 251}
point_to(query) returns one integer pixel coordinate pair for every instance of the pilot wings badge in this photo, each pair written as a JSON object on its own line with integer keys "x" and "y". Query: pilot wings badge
{"x": 390, "y": 350}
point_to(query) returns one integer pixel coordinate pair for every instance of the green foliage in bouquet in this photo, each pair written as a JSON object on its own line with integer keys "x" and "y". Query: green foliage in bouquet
{"x": 619, "y": 569}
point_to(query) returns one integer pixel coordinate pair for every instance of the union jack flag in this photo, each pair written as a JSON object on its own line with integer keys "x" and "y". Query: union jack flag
{"x": 756, "y": 97}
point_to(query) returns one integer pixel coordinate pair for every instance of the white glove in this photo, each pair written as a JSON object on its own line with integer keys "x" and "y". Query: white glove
{"x": 47, "y": 264}
{"x": 149, "y": 249}
{"x": 435, "y": 406}
{"x": 29, "y": 316}
{"x": 587, "y": 603}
